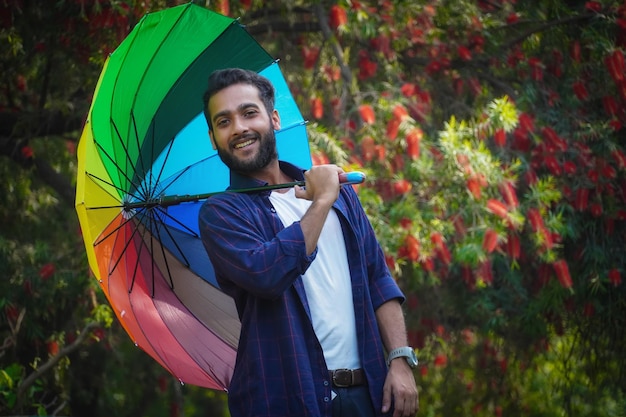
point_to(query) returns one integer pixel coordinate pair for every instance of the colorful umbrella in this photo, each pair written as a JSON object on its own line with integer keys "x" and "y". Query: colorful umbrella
{"x": 144, "y": 165}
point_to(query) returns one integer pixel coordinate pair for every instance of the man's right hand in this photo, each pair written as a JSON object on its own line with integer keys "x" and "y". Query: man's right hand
{"x": 322, "y": 184}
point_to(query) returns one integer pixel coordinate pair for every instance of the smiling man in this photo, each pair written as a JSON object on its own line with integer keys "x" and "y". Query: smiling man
{"x": 317, "y": 304}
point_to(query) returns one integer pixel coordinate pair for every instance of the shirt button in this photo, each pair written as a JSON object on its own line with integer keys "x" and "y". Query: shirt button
{"x": 326, "y": 383}
{"x": 326, "y": 399}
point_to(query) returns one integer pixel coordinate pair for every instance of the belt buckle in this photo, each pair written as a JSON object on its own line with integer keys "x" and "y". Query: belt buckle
{"x": 339, "y": 378}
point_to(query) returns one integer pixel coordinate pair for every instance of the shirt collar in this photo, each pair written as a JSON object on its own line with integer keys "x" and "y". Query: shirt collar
{"x": 239, "y": 181}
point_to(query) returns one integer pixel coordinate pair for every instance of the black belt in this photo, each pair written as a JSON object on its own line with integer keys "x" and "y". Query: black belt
{"x": 343, "y": 378}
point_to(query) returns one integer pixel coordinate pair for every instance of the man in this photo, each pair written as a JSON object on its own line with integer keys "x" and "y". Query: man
{"x": 316, "y": 301}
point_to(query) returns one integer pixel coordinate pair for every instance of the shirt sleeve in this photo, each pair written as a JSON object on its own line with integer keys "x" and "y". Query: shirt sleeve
{"x": 251, "y": 248}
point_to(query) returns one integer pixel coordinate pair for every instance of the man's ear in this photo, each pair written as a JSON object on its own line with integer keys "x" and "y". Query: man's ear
{"x": 275, "y": 120}
{"x": 212, "y": 140}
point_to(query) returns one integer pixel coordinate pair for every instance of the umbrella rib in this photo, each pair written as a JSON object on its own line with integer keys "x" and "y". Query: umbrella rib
{"x": 132, "y": 117}
{"x": 116, "y": 165}
{"x": 132, "y": 282}
{"x": 167, "y": 155}
{"x": 191, "y": 232}
{"x": 128, "y": 241}
{"x": 167, "y": 265}
{"x": 121, "y": 141}
{"x": 107, "y": 183}
{"x": 112, "y": 232}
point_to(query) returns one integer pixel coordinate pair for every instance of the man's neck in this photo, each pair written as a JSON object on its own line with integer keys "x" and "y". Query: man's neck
{"x": 271, "y": 174}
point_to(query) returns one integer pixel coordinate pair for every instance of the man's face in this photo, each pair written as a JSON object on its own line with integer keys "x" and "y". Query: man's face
{"x": 243, "y": 131}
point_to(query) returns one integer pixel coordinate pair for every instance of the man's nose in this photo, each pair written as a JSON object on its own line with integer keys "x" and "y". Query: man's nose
{"x": 239, "y": 125}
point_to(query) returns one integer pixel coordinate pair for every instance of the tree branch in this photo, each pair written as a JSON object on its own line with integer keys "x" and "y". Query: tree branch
{"x": 30, "y": 379}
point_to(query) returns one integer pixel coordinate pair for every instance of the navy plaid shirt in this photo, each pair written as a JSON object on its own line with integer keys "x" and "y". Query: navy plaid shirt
{"x": 280, "y": 368}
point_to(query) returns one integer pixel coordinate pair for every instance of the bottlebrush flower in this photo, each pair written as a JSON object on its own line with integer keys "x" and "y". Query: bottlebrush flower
{"x": 317, "y": 108}
{"x": 499, "y": 137}
{"x": 490, "y": 240}
{"x": 440, "y": 361}
{"x": 498, "y": 208}
{"x": 440, "y": 248}
{"x": 615, "y": 65}
{"x": 615, "y": 278}
{"x": 562, "y": 273}
{"x": 464, "y": 53}
{"x": 410, "y": 250}
{"x": 47, "y": 271}
{"x": 402, "y": 186}
{"x": 580, "y": 91}
{"x": 368, "y": 148}
{"x": 413, "y": 139}
{"x": 513, "y": 248}
{"x": 508, "y": 193}
{"x": 338, "y": 17}
{"x": 367, "y": 114}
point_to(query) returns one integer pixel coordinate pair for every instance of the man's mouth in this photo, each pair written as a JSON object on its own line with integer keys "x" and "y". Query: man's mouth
{"x": 243, "y": 144}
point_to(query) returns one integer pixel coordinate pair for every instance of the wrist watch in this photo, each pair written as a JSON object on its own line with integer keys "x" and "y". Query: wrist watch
{"x": 405, "y": 351}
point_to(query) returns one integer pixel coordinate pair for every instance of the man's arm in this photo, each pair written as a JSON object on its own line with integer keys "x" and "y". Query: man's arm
{"x": 322, "y": 188}
{"x": 400, "y": 382}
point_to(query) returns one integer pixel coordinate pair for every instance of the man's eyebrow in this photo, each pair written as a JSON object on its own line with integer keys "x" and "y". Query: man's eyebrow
{"x": 240, "y": 108}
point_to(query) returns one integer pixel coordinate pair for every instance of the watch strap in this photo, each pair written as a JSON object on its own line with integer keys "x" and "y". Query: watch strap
{"x": 404, "y": 351}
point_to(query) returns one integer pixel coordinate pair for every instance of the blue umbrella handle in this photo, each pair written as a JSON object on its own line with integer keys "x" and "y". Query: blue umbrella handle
{"x": 354, "y": 177}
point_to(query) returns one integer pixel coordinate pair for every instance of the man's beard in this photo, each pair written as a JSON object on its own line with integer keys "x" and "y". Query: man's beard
{"x": 266, "y": 154}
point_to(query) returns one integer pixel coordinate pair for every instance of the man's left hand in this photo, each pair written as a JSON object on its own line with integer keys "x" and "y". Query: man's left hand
{"x": 400, "y": 386}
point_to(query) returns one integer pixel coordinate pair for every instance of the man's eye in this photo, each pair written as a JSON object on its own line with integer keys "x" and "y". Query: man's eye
{"x": 250, "y": 113}
{"x": 222, "y": 122}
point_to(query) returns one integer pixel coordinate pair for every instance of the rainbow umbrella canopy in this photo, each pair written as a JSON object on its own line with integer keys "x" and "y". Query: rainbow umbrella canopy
{"x": 145, "y": 165}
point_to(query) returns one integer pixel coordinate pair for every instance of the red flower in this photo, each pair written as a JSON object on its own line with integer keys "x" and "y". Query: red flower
{"x": 593, "y": 6}
{"x": 498, "y": 208}
{"x": 507, "y": 190}
{"x": 490, "y": 240}
{"x": 615, "y": 65}
{"x": 499, "y": 137}
{"x": 53, "y": 347}
{"x": 615, "y": 277}
{"x": 367, "y": 114}
{"x": 367, "y": 68}
{"x": 485, "y": 272}
{"x": 413, "y": 139}
{"x": 310, "y": 55}
{"x": 526, "y": 122}
{"x": 535, "y": 219}
{"x": 338, "y": 16}
{"x": 402, "y": 186}
{"x": 464, "y": 53}
{"x": 536, "y": 69}
{"x": 441, "y": 360}
{"x": 411, "y": 248}
{"x": 562, "y": 273}
{"x": 317, "y": 108}
{"x": 582, "y": 198}
{"x": 27, "y": 152}
{"x": 47, "y": 271}
{"x": 440, "y": 248}
{"x": 575, "y": 51}
{"x": 368, "y": 148}
{"x": 580, "y": 91}
{"x": 513, "y": 246}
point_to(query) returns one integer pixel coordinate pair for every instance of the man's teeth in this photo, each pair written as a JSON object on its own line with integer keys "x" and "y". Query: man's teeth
{"x": 243, "y": 144}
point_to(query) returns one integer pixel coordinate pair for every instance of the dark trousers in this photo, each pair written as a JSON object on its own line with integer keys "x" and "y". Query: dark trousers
{"x": 353, "y": 402}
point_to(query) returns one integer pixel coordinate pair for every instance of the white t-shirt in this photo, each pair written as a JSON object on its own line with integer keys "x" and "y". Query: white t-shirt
{"x": 327, "y": 284}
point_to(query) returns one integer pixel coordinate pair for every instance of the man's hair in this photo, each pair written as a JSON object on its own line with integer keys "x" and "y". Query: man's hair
{"x": 223, "y": 78}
